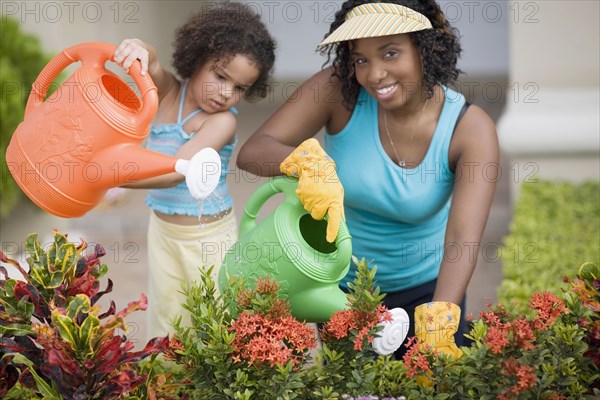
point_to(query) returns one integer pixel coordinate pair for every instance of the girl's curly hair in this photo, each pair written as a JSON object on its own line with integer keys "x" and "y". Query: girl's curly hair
{"x": 439, "y": 48}
{"x": 222, "y": 32}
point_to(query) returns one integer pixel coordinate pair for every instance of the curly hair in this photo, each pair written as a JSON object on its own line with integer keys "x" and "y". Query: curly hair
{"x": 439, "y": 48}
{"x": 220, "y": 33}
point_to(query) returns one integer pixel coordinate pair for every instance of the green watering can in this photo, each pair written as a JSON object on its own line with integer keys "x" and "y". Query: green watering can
{"x": 290, "y": 246}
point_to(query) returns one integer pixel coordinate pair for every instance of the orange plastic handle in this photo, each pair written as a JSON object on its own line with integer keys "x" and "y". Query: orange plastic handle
{"x": 95, "y": 53}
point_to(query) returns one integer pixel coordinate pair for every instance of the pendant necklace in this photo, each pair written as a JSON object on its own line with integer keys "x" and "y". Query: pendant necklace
{"x": 402, "y": 163}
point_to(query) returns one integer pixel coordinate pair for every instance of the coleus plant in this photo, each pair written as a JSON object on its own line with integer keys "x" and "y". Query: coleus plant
{"x": 51, "y": 319}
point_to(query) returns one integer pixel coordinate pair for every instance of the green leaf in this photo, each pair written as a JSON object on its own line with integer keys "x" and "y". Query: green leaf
{"x": 86, "y": 334}
{"x": 80, "y": 304}
{"x": 63, "y": 263}
{"x": 589, "y": 271}
{"x": 66, "y": 327}
{"x": 16, "y": 329}
{"x": 37, "y": 260}
{"x": 32, "y": 247}
{"x": 47, "y": 391}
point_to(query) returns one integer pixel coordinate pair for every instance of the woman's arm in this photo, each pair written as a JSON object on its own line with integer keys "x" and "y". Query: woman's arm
{"x": 476, "y": 153}
{"x": 308, "y": 110}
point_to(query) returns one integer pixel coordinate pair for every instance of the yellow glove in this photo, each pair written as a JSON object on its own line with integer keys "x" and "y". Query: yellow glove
{"x": 319, "y": 188}
{"x": 435, "y": 324}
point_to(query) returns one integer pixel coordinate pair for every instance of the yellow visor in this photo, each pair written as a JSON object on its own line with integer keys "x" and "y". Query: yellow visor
{"x": 377, "y": 19}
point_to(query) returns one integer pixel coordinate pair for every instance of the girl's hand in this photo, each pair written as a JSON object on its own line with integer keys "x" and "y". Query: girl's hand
{"x": 129, "y": 51}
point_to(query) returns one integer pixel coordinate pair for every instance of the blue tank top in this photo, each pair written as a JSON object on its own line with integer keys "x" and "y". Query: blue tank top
{"x": 397, "y": 217}
{"x": 177, "y": 200}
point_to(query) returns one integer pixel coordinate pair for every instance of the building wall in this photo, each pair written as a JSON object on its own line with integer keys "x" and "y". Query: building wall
{"x": 556, "y": 43}
{"x": 297, "y": 25}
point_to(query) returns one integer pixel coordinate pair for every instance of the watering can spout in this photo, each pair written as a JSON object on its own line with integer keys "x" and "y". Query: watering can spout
{"x": 139, "y": 164}
{"x": 202, "y": 172}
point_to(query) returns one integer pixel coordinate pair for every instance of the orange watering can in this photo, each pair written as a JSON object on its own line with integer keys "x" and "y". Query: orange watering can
{"x": 86, "y": 137}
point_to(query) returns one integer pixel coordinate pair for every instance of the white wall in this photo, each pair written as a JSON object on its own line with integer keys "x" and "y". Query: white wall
{"x": 298, "y": 26}
{"x": 560, "y": 46}
{"x": 552, "y": 128}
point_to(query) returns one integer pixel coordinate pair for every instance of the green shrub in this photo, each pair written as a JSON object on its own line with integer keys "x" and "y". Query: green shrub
{"x": 21, "y": 60}
{"x": 244, "y": 343}
{"x": 556, "y": 226}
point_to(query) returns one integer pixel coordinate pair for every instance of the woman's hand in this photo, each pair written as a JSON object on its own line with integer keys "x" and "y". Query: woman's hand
{"x": 131, "y": 50}
{"x": 435, "y": 324}
{"x": 319, "y": 188}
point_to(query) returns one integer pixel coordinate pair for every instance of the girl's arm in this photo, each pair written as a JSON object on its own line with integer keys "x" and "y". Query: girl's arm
{"x": 217, "y": 131}
{"x": 476, "y": 172}
{"x": 134, "y": 49}
{"x": 308, "y": 110}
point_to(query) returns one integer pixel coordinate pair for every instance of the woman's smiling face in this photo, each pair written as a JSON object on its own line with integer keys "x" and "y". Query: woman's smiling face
{"x": 389, "y": 68}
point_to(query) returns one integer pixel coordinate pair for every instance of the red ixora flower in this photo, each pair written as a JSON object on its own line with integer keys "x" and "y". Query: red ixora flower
{"x": 263, "y": 340}
{"x": 496, "y": 339}
{"x": 415, "y": 360}
{"x": 344, "y": 322}
{"x": 557, "y": 396}
{"x": 503, "y": 331}
{"x": 523, "y": 333}
{"x": 525, "y": 376}
{"x": 549, "y": 308}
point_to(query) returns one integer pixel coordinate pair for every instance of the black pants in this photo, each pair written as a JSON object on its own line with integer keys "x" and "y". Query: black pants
{"x": 410, "y": 299}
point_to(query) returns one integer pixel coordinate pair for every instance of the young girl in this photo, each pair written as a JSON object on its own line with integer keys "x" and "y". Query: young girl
{"x": 410, "y": 153}
{"x": 220, "y": 56}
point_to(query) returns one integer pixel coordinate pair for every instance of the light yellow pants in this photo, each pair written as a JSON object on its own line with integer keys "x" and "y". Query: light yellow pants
{"x": 175, "y": 254}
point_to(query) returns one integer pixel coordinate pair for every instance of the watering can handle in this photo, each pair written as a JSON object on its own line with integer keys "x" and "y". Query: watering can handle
{"x": 282, "y": 184}
{"x": 95, "y": 53}
{"x": 288, "y": 186}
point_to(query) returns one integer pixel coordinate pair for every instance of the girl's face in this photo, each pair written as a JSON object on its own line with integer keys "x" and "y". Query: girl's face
{"x": 219, "y": 85}
{"x": 389, "y": 68}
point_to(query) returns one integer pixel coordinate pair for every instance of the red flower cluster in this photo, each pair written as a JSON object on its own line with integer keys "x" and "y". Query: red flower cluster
{"x": 415, "y": 359}
{"x": 549, "y": 308}
{"x": 268, "y": 333}
{"x": 522, "y": 332}
{"x": 362, "y": 323}
{"x": 524, "y": 375}
{"x": 263, "y": 340}
{"x": 557, "y": 396}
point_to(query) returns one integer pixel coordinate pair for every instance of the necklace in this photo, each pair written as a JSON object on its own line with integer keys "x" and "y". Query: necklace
{"x": 402, "y": 163}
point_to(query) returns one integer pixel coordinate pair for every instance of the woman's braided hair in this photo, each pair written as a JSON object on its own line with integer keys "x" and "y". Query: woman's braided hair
{"x": 439, "y": 48}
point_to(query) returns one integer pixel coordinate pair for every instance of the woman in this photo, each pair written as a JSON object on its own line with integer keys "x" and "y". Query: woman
{"x": 409, "y": 151}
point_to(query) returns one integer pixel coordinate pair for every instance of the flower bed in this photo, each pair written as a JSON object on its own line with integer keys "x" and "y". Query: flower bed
{"x": 244, "y": 344}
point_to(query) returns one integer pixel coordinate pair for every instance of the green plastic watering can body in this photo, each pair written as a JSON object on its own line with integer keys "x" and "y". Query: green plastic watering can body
{"x": 290, "y": 247}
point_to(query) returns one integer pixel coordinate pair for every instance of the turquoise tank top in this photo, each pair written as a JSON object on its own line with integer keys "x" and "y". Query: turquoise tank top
{"x": 397, "y": 217}
{"x": 177, "y": 200}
